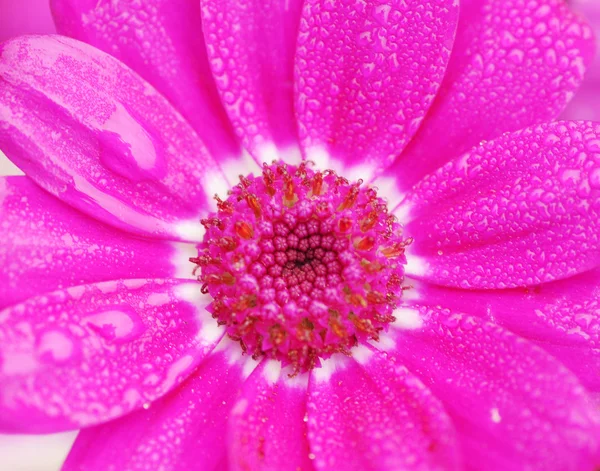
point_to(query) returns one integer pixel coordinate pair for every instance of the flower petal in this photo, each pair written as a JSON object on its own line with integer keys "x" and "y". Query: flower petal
{"x": 251, "y": 48}
{"x": 24, "y": 17}
{"x": 182, "y": 431}
{"x": 375, "y": 415}
{"x": 366, "y": 73}
{"x": 91, "y": 353}
{"x": 562, "y": 317}
{"x": 514, "y": 64}
{"x": 267, "y": 429}
{"x": 162, "y": 41}
{"x": 47, "y": 245}
{"x": 517, "y": 211}
{"x": 92, "y": 132}
{"x": 514, "y": 406}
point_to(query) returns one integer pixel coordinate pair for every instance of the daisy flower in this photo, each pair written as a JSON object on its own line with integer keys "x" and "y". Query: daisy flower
{"x": 302, "y": 235}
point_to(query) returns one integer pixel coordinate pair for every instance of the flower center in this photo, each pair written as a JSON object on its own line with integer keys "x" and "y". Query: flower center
{"x": 301, "y": 264}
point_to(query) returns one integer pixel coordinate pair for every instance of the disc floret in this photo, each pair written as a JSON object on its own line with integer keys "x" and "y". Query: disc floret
{"x": 301, "y": 264}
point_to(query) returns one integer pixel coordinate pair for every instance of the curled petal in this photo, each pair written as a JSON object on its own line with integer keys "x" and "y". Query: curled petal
{"x": 92, "y": 132}
{"x": 162, "y": 41}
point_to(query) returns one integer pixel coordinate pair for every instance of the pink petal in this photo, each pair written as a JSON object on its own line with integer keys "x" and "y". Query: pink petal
{"x": 88, "y": 354}
{"x": 563, "y": 317}
{"x": 92, "y": 132}
{"x": 514, "y": 64}
{"x": 47, "y": 245}
{"x": 267, "y": 430}
{"x": 251, "y": 48}
{"x": 162, "y": 41}
{"x": 375, "y": 415}
{"x": 517, "y": 211}
{"x": 24, "y": 17}
{"x": 514, "y": 406}
{"x": 366, "y": 74}
{"x": 184, "y": 430}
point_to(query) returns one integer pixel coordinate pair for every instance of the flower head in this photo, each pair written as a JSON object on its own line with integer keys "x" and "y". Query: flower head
{"x": 399, "y": 269}
{"x": 302, "y": 264}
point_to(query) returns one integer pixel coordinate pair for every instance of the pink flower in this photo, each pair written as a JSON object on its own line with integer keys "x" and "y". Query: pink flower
{"x": 453, "y": 325}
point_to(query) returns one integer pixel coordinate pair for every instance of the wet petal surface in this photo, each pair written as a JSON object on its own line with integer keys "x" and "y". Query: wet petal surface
{"x": 562, "y": 317}
{"x": 184, "y": 430}
{"x": 374, "y": 415}
{"x": 516, "y": 211}
{"x": 267, "y": 428}
{"x": 513, "y": 405}
{"x": 251, "y": 48}
{"x": 93, "y": 133}
{"x": 513, "y": 64}
{"x": 366, "y": 73}
{"x": 162, "y": 41}
{"x": 92, "y": 353}
{"x": 47, "y": 245}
